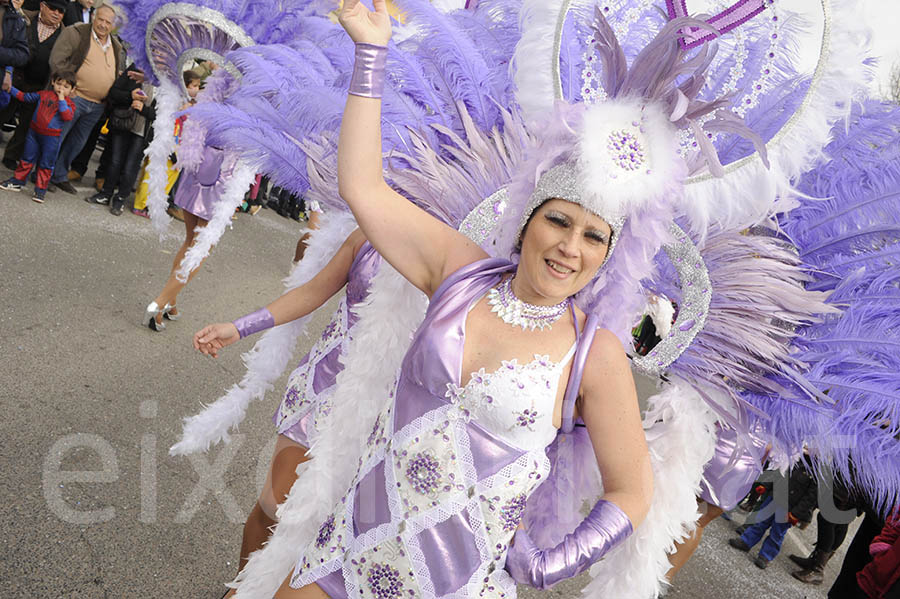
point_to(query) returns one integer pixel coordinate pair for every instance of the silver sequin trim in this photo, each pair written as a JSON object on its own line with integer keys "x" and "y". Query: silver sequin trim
{"x": 197, "y": 14}
{"x": 483, "y": 219}
{"x": 696, "y": 293}
{"x": 562, "y": 182}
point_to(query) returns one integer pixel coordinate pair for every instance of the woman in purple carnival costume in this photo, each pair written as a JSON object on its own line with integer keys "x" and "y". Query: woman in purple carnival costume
{"x": 308, "y": 395}
{"x": 452, "y": 459}
{"x": 198, "y": 191}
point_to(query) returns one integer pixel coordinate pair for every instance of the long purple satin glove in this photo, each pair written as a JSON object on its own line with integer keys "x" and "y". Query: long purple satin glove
{"x": 254, "y": 322}
{"x": 368, "y": 70}
{"x": 604, "y": 528}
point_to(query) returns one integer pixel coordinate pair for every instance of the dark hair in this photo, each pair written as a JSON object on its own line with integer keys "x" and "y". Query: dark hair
{"x": 190, "y": 77}
{"x": 67, "y": 76}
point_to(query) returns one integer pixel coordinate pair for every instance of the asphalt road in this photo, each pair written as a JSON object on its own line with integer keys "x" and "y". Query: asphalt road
{"x": 91, "y": 505}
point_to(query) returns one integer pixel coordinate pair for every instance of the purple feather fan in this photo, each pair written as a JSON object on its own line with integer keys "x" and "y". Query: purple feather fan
{"x": 174, "y": 31}
{"x": 849, "y": 241}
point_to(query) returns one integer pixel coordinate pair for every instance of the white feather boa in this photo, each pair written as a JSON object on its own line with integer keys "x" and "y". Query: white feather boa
{"x": 386, "y": 323}
{"x": 163, "y": 144}
{"x": 751, "y": 190}
{"x": 235, "y": 189}
{"x": 681, "y": 436}
{"x": 271, "y": 354}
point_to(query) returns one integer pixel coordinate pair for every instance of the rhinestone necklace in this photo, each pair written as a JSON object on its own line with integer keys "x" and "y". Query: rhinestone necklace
{"x": 514, "y": 311}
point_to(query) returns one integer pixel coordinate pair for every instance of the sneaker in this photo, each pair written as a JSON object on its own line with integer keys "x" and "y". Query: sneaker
{"x": 37, "y": 198}
{"x": 118, "y": 205}
{"x": 66, "y": 186}
{"x": 11, "y": 185}
{"x": 760, "y": 562}
{"x": 98, "y": 198}
{"x": 254, "y": 209}
{"x": 739, "y": 544}
{"x": 141, "y": 212}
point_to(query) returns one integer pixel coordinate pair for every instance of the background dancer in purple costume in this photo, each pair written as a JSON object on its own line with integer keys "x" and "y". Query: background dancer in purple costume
{"x": 309, "y": 391}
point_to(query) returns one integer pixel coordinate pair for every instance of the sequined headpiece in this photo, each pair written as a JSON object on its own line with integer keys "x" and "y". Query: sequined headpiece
{"x": 626, "y": 157}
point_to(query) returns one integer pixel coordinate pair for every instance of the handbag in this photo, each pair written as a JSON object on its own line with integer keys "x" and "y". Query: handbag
{"x": 122, "y": 118}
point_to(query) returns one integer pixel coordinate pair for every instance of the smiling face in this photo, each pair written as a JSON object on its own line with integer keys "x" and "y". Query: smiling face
{"x": 563, "y": 246}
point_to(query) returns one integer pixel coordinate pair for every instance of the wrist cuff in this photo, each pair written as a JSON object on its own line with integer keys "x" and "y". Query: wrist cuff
{"x": 255, "y": 322}
{"x": 368, "y": 71}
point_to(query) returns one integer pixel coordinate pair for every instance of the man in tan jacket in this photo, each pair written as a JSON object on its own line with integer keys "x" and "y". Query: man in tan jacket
{"x": 97, "y": 59}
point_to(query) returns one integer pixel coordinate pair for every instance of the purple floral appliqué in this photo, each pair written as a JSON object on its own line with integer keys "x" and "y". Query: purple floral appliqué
{"x": 423, "y": 473}
{"x": 292, "y": 397}
{"x": 384, "y": 582}
{"x": 325, "y": 532}
{"x": 511, "y": 512}
{"x": 526, "y": 418}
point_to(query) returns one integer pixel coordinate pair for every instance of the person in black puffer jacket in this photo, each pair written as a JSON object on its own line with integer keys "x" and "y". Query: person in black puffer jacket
{"x": 798, "y": 508}
{"x": 132, "y": 111}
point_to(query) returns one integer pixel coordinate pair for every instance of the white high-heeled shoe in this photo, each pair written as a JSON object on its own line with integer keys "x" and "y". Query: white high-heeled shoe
{"x": 150, "y": 314}
{"x": 167, "y": 313}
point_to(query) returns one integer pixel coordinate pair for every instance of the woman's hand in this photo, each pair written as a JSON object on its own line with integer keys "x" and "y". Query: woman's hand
{"x": 211, "y": 338}
{"x": 365, "y": 26}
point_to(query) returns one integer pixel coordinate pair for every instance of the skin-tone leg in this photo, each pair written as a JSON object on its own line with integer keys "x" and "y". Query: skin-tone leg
{"x": 282, "y": 474}
{"x": 173, "y": 286}
{"x": 287, "y": 456}
{"x": 685, "y": 549}
{"x": 310, "y": 591}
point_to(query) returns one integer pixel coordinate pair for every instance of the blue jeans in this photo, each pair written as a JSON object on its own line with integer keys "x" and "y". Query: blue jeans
{"x": 73, "y": 135}
{"x": 779, "y": 527}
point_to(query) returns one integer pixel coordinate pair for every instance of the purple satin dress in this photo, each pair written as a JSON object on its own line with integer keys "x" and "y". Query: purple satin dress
{"x": 447, "y": 468}
{"x": 309, "y": 393}
{"x": 726, "y": 482}
{"x": 199, "y": 191}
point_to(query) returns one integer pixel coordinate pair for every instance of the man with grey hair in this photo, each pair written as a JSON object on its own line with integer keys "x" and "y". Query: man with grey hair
{"x": 96, "y": 57}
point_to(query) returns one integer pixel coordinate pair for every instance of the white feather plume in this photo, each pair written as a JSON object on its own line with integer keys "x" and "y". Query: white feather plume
{"x": 267, "y": 360}
{"x": 163, "y": 144}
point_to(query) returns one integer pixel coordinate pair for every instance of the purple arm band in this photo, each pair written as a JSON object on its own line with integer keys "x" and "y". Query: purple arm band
{"x": 604, "y": 528}
{"x": 255, "y": 322}
{"x": 368, "y": 71}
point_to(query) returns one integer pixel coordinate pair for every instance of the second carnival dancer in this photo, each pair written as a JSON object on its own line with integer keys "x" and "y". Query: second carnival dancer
{"x": 308, "y": 395}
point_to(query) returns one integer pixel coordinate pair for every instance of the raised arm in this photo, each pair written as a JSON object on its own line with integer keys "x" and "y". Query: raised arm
{"x": 609, "y": 408}
{"x": 419, "y": 246}
{"x": 294, "y": 304}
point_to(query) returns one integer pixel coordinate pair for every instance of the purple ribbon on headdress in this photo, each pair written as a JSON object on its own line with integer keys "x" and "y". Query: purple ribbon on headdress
{"x": 735, "y": 15}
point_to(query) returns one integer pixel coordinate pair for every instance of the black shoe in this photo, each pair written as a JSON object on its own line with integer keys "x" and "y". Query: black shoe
{"x": 804, "y": 562}
{"x": 10, "y": 164}
{"x": 118, "y": 205}
{"x": 66, "y": 187}
{"x": 739, "y": 544}
{"x": 98, "y": 198}
{"x": 760, "y": 562}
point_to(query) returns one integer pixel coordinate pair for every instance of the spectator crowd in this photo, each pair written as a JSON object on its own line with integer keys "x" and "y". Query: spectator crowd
{"x": 68, "y": 90}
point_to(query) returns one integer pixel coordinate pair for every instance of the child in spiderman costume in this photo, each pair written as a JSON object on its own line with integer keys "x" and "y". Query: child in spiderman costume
{"x": 42, "y": 140}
